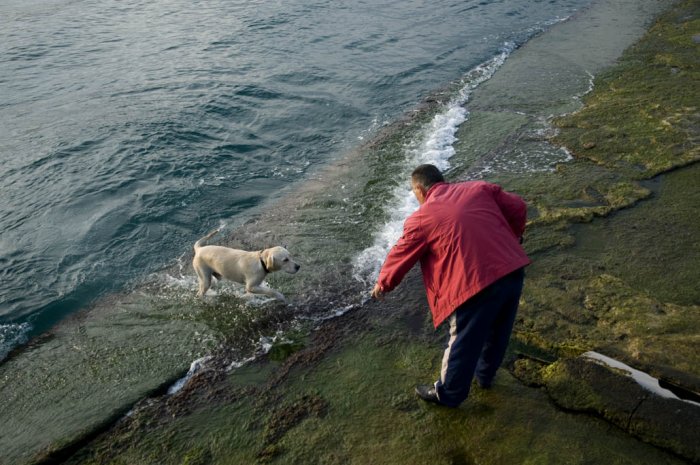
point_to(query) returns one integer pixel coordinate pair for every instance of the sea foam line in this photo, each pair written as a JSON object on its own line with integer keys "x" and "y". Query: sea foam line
{"x": 195, "y": 367}
{"x": 435, "y": 146}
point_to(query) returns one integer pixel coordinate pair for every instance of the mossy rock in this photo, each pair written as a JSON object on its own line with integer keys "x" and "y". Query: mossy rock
{"x": 655, "y": 86}
{"x": 584, "y": 385}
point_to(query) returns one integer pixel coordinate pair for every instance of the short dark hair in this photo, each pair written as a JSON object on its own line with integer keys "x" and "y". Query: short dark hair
{"x": 427, "y": 175}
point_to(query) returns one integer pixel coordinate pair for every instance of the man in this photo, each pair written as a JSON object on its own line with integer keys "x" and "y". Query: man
{"x": 467, "y": 238}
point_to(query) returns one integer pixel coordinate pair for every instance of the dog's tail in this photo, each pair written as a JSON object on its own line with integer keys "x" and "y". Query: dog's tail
{"x": 198, "y": 244}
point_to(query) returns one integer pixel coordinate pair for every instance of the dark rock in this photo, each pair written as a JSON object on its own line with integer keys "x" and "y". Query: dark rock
{"x": 668, "y": 423}
{"x": 583, "y": 385}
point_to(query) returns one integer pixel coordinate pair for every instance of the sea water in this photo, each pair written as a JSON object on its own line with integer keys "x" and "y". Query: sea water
{"x": 129, "y": 129}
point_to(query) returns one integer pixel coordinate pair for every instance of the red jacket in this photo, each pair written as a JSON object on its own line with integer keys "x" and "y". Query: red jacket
{"x": 466, "y": 236}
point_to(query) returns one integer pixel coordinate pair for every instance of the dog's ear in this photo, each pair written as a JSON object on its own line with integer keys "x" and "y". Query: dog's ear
{"x": 269, "y": 259}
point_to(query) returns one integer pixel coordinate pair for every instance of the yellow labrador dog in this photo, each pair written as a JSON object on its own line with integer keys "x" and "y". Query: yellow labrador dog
{"x": 249, "y": 268}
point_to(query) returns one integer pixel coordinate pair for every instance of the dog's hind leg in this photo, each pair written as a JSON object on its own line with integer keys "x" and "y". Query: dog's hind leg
{"x": 215, "y": 282}
{"x": 204, "y": 283}
{"x": 204, "y": 276}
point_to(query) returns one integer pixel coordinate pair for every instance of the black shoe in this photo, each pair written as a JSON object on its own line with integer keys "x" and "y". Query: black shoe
{"x": 484, "y": 385}
{"x": 427, "y": 393}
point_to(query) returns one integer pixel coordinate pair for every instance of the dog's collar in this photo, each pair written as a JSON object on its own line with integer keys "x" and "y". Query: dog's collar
{"x": 262, "y": 262}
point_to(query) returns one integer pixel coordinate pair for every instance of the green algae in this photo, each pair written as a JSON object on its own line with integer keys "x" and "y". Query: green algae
{"x": 655, "y": 242}
{"x": 609, "y": 290}
{"x": 655, "y": 87}
{"x": 649, "y": 331}
{"x": 362, "y": 410}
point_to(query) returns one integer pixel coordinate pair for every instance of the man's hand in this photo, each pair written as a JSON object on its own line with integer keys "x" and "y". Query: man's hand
{"x": 377, "y": 292}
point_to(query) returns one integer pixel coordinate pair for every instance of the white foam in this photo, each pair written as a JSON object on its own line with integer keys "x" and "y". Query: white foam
{"x": 645, "y": 380}
{"x": 195, "y": 367}
{"x": 239, "y": 363}
{"x": 333, "y": 313}
{"x": 591, "y": 86}
{"x": 265, "y": 344}
{"x": 434, "y": 145}
{"x": 568, "y": 156}
{"x": 578, "y": 98}
{"x": 374, "y": 125}
{"x": 13, "y": 335}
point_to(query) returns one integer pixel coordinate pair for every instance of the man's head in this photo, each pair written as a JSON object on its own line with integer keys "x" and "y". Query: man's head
{"x": 423, "y": 178}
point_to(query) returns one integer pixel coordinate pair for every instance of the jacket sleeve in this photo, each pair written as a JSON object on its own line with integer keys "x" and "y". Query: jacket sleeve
{"x": 514, "y": 209}
{"x": 401, "y": 258}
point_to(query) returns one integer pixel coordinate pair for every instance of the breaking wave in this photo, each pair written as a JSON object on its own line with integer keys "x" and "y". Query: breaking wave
{"x": 434, "y": 145}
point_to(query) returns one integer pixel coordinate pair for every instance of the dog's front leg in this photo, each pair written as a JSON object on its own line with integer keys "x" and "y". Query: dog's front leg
{"x": 266, "y": 291}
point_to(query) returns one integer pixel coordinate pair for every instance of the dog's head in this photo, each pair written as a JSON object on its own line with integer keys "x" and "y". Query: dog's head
{"x": 279, "y": 259}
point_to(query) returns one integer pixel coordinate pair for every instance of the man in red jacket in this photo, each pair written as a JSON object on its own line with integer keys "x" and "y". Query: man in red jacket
{"x": 467, "y": 238}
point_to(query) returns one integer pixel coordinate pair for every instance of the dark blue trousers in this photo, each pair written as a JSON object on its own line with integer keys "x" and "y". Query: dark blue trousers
{"x": 480, "y": 329}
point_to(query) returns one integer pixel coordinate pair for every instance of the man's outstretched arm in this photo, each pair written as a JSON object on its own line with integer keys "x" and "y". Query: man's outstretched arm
{"x": 401, "y": 258}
